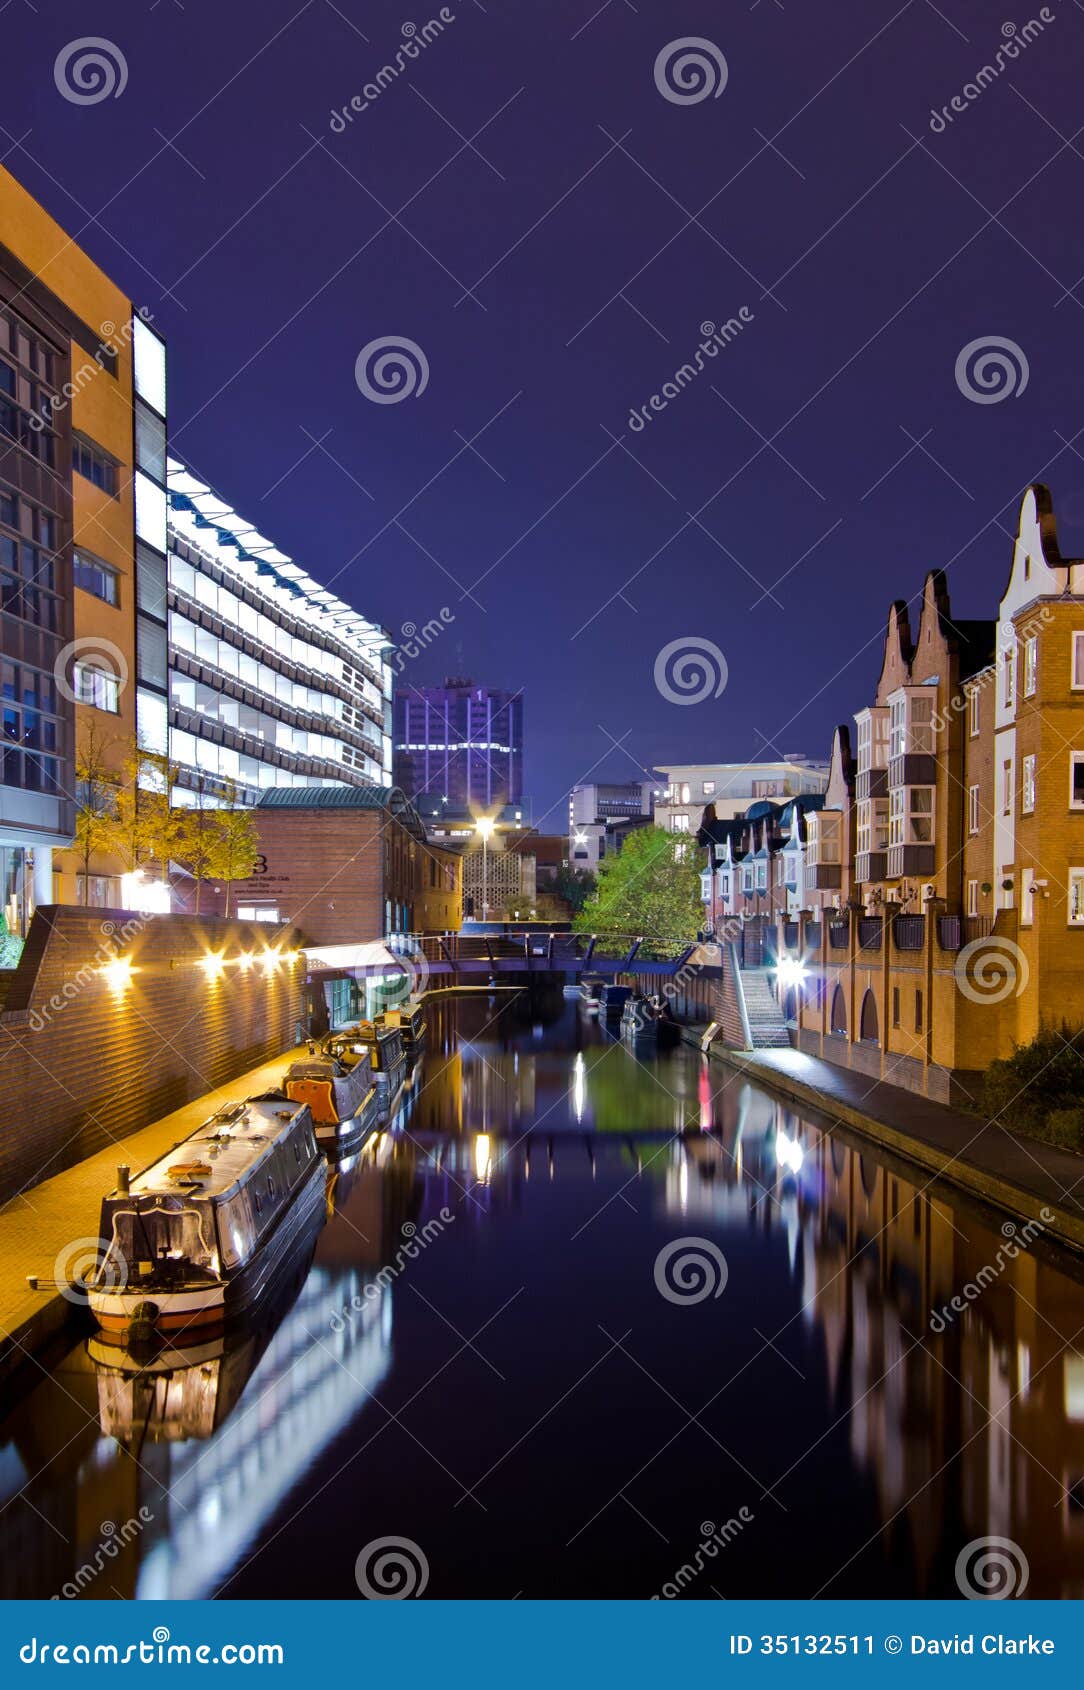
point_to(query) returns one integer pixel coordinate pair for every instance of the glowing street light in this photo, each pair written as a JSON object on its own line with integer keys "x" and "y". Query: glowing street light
{"x": 791, "y": 971}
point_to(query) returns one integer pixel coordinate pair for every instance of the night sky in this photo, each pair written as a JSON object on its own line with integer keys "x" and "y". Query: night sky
{"x": 816, "y": 468}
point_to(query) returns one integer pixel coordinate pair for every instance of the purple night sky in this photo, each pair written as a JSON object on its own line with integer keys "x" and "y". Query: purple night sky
{"x": 520, "y": 202}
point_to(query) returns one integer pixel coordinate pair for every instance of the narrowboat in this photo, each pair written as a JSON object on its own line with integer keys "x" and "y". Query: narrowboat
{"x": 382, "y": 1045}
{"x": 343, "y": 1101}
{"x": 613, "y": 1000}
{"x": 591, "y": 986}
{"x": 410, "y": 1020}
{"x": 646, "y": 1022}
{"x": 197, "y": 1237}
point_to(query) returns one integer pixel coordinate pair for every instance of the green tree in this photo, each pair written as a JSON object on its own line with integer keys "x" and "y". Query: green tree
{"x": 574, "y": 885}
{"x": 650, "y": 889}
{"x": 198, "y": 834}
{"x": 236, "y": 844}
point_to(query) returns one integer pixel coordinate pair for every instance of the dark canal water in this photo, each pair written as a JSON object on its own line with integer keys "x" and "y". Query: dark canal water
{"x": 520, "y": 1400}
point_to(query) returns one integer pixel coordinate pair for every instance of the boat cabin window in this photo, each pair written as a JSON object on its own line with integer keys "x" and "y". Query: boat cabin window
{"x": 271, "y": 1186}
{"x": 258, "y": 1201}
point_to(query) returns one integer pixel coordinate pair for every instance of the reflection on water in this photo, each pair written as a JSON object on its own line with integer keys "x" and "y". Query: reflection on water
{"x": 514, "y": 1395}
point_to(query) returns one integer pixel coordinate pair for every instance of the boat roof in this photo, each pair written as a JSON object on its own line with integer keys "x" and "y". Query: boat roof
{"x": 232, "y": 1144}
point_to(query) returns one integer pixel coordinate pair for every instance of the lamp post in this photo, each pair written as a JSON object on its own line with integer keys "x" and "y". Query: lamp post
{"x": 484, "y": 826}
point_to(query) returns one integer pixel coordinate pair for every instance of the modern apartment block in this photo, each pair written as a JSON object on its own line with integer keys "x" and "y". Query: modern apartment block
{"x": 941, "y": 921}
{"x": 601, "y": 813}
{"x": 82, "y": 539}
{"x": 731, "y": 787}
{"x": 461, "y": 744}
{"x": 274, "y": 681}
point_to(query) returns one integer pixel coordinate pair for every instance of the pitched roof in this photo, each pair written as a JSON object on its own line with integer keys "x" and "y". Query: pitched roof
{"x": 331, "y": 798}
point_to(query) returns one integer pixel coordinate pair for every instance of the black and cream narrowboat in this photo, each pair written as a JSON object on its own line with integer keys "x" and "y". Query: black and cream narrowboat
{"x": 197, "y": 1237}
{"x": 343, "y": 1101}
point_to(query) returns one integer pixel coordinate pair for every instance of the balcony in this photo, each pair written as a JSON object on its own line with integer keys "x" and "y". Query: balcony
{"x": 912, "y": 768}
{"x": 870, "y": 865}
{"x": 790, "y": 935}
{"x": 909, "y": 932}
{"x": 871, "y": 783}
{"x": 825, "y": 877}
{"x": 910, "y": 859}
{"x": 839, "y": 935}
{"x": 955, "y": 931}
{"x": 869, "y": 932}
{"x": 813, "y": 937}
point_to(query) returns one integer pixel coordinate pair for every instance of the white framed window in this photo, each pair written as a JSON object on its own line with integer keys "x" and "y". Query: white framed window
{"x": 97, "y": 687}
{"x": 1027, "y": 897}
{"x": 1006, "y": 787}
{"x": 972, "y": 897}
{"x": 1078, "y": 662}
{"x": 1027, "y": 785}
{"x": 972, "y": 809}
{"x": 679, "y": 822}
{"x": 747, "y": 878}
{"x": 1031, "y": 665}
{"x": 1076, "y": 897}
{"x": 973, "y": 712}
{"x": 762, "y": 876}
{"x": 1076, "y": 780}
{"x": 1008, "y": 676}
{"x": 709, "y": 788}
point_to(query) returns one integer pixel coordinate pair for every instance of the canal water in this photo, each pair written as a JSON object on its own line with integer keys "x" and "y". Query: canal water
{"x": 585, "y": 1322}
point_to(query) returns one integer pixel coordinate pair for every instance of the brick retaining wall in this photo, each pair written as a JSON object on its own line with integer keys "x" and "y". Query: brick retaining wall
{"x": 84, "y": 1061}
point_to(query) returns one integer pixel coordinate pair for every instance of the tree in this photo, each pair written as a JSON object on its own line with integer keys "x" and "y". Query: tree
{"x": 198, "y": 833}
{"x": 143, "y": 829}
{"x": 650, "y": 889}
{"x": 236, "y": 844}
{"x": 574, "y": 885}
{"x": 96, "y": 795}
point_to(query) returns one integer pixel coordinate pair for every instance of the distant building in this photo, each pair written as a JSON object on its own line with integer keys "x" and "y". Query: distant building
{"x": 600, "y": 816}
{"x": 687, "y": 788}
{"x": 461, "y": 744}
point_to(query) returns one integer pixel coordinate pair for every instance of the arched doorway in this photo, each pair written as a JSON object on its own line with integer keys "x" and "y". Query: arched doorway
{"x": 868, "y": 1028}
{"x": 839, "y": 1012}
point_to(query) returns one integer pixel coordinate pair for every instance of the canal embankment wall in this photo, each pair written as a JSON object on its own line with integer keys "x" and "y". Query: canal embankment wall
{"x": 114, "y": 1019}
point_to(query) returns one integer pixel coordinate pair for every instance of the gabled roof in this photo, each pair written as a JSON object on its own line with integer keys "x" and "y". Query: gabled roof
{"x": 330, "y": 798}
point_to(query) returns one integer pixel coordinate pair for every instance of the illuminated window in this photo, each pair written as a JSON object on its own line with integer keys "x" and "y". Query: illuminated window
{"x": 973, "y": 711}
{"x": 1031, "y": 664}
{"x": 972, "y": 809}
{"x": 1076, "y": 897}
{"x": 1076, "y": 780}
{"x": 95, "y": 686}
{"x": 972, "y": 897}
{"x": 1078, "y": 662}
{"x": 1027, "y": 800}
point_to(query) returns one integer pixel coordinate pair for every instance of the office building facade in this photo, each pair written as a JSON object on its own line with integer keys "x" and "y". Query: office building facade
{"x": 460, "y": 743}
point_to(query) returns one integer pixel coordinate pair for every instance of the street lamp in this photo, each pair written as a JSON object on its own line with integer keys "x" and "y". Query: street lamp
{"x": 484, "y": 826}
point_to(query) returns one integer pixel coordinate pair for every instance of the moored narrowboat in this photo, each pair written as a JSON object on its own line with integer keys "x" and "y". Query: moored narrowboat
{"x": 410, "y": 1020}
{"x": 384, "y": 1048}
{"x": 199, "y": 1235}
{"x": 645, "y": 1021}
{"x": 343, "y": 1101}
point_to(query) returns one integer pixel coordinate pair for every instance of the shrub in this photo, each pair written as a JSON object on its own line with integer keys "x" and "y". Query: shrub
{"x": 1039, "y": 1090}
